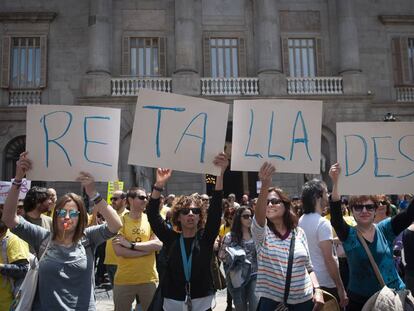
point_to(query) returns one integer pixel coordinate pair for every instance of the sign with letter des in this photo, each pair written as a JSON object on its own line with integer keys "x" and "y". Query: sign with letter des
{"x": 286, "y": 133}
{"x": 178, "y": 132}
{"x": 376, "y": 157}
{"x": 64, "y": 140}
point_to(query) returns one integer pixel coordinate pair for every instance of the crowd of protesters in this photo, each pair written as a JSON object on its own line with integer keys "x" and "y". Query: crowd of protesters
{"x": 269, "y": 250}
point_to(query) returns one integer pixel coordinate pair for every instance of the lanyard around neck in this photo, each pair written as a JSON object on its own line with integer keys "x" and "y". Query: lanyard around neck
{"x": 187, "y": 262}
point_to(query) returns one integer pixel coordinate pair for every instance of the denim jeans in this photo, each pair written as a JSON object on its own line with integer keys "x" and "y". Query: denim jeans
{"x": 244, "y": 298}
{"x": 266, "y": 304}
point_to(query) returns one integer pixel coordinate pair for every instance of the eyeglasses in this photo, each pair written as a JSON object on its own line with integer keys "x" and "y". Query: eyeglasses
{"x": 368, "y": 207}
{"x": 72, "y": 213}
{"x": 186, "y": 210}
{"x": 274, "y": 201}
{"x": 383, "y": 202}
{"x": 141, "y": 197}
{"x": 247, "y": 216}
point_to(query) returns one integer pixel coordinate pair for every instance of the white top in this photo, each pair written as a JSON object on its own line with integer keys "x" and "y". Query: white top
{"x": 317, "y": 229}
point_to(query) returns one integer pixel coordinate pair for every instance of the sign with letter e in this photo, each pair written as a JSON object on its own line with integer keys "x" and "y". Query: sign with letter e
{"x": 375, "y": 157}
{"x": 178, "y": 132}
{"x": 64, "y": 140}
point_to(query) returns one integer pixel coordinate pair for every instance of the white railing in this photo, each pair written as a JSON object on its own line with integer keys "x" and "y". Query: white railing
{"x": 129, "y": 86}
{"x": 405, "y": 94}
{"x": 229, "y": 86}
{"x": 315, "y": 86}
{"x": 24, "y": 97}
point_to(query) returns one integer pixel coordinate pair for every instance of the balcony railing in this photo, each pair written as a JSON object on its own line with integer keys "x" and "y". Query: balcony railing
{"x": 405, "y": 94}
{"x": 315, "y": 86}
{"x": 229, "y": 86}
{"x": 24, "y": 97}
{"x": 129, "y": 86}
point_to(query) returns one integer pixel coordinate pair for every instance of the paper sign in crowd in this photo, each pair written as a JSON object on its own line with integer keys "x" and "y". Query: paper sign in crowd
{"x": 185, "y": 133}
{"x": 64, "y": 140}
{"x": 5, "y": 188}
{"x": 376, "y": 157}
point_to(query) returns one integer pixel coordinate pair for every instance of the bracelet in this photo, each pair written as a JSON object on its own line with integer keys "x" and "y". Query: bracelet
{"x": 132, "y": 246}
{"x": 17, "y": 183}
{"x": 97, "y": 198}
{"x": 159, "y": 189}
{"x": 96, "y": 201}
{"x": 96, "y": 195}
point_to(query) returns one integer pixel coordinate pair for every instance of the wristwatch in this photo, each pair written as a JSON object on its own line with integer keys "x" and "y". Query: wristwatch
{"x": 132, "y": 245}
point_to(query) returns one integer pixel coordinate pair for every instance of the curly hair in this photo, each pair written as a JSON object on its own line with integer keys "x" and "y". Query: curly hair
{"x": 290, "y": 220}
{"x": 185, "y": 201}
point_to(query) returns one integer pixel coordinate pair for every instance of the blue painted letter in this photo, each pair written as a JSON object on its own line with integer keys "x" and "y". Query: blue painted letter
{"x": 346, "y": 154}
{"x": 270, "y": 140}
{"x": 87, "y": 141}
{"x": 405, "y": 155}
{"x": 157, "y": 135}
{"x": 202, "y": 138}
{"x": 54, "y": 140}
{"x": 376, "y": 158}
{"x": 256, "y": 155}
{"x": 304, "y": 140}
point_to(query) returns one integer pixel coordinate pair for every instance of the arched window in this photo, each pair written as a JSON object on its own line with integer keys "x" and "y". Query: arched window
{"x": 13, "y": 149}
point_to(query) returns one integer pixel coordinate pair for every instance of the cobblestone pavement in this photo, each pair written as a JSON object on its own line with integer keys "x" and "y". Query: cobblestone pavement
{"x": 104, "y": 300}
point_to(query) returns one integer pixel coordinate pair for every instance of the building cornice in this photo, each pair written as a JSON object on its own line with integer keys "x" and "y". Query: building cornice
{"x": 27, "y": 17}
{"x": 396, "y": 19}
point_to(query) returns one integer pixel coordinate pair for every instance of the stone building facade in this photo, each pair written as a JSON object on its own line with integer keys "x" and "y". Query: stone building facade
{"x": 357, "y": 56}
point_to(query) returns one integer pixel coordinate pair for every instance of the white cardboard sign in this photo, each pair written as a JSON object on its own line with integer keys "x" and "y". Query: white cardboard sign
{"x": 64, "y": 140}
{"x": 5, "y": 188}
{"x": 376, "y": 157}
{"x": 286, "y": 133}
{"x": 178, "y": 132}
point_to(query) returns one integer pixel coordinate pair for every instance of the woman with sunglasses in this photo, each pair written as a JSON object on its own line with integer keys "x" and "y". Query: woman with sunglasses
{"x": 383, "y": 210}
{"x": 274, "y": 228}
{"x": 187, "y": 282}
{"x": 240, "y": 236}
{"x": 66, "y": 271}
{"x": 363, "y": 282}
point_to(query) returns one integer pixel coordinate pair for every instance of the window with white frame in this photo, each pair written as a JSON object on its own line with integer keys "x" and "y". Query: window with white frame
{"x": 145, "y": 56}
{"x": 224, "y": 53}
{"x": 411, "y": 58}
{"x": 25, "y": 63}
{"x": 302, "y": 57}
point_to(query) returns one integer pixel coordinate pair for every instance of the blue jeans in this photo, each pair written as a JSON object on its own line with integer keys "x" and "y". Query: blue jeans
{"x": 266, "y": 304}
{"x": 244, "y": 298}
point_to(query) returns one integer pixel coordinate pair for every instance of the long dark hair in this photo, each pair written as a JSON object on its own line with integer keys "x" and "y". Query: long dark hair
{"x": 290, "y": 220}
{"x": 236, "y": 228}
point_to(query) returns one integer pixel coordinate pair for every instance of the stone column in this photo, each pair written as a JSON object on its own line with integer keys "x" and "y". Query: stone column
{"x": 97, "y": 81}
{"x": 186, "y": 78}
{"x": 272, "y": 80}
{"x": 354, "y": 81}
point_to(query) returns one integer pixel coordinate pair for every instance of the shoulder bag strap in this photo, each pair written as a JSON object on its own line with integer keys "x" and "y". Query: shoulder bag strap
{"x": 289, "y": 267}
{"x": 371, "y": 259}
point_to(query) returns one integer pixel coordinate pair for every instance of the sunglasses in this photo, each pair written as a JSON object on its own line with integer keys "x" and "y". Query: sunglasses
{"x": 141, "y": 197}
{"x": 383, "y": 202}
{"x": 274, "y": 201}
{"x": 72, "y": 213}
{"x": 247, "y": 216}
{"x": 186, "y": 210}
{"x": 115, "y": 198}
{"x": 204, "y": 199}
{"x": 368, "y": 207}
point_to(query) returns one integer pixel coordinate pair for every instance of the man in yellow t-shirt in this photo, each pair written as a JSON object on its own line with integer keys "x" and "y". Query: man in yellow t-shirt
{"x": 118, "y": 202}
{"x": 13, "y": 265}
{"x": 135, "y": 246}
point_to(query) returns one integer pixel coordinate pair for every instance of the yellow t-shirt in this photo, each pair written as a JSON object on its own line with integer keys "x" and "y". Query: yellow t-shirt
{"x": 16, "y": 249}
{"x": 136, "y": 270}
{"x": 110, "y": 257}
{"x": 224, "y": 230}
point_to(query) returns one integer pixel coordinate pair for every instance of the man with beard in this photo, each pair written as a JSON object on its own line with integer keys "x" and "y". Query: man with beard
{"x": 320, "y": 239}
{"x": 37, "y": 202}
